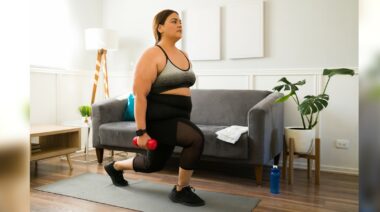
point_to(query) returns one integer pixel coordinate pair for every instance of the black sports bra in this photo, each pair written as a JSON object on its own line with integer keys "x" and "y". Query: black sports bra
{"x": 172, "y": 76}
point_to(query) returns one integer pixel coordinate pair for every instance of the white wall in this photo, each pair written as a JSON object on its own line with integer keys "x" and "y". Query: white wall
{"x": 301, "y": 38}
{"x": 298, "y": 34}
{"x": 57, "y": 32}
{"x": 60, "y": 66}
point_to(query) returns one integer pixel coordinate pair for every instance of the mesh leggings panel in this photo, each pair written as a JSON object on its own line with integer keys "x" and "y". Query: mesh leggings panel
{"x": 171, "y": 133}
{"x": 192, "y": 140}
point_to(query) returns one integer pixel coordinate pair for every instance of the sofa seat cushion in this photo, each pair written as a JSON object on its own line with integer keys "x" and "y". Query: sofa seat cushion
{"x": 221, "y": 149}
{"x": 118, "y": 134}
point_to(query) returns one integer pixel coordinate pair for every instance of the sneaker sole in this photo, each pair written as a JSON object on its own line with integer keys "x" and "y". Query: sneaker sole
{"x": 185, "y": 203}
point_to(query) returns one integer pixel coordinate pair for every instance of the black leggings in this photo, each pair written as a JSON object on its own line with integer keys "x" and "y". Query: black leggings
{"x": 168, "y": 121}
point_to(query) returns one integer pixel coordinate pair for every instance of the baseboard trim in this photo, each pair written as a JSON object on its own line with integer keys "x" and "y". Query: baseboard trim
{"x": 327, "y": 168}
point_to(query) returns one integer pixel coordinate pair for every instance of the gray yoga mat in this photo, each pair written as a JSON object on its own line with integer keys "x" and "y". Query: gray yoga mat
{"x": 143, "y": 195}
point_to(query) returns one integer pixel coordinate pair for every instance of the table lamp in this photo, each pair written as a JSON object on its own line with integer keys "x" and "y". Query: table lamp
{"x": 102, "y": 40}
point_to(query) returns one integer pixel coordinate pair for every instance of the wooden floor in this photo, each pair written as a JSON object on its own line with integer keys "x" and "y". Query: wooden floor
{"x": 337, "y": 192}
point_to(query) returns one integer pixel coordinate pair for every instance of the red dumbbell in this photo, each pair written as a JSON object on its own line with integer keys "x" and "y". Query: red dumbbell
{"x": 152, "y": 143}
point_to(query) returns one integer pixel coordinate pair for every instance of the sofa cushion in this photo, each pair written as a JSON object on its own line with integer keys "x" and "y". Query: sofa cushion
{"x": 224, "y": 107}
{"x": 218, "y": 148}
{"x": 118, "y": 134}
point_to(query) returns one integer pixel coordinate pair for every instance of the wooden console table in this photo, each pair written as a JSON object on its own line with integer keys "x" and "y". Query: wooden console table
{"x": 55, "y": 140}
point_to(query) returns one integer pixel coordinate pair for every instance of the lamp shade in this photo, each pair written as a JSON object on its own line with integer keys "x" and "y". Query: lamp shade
{"x": 99, "y": 38}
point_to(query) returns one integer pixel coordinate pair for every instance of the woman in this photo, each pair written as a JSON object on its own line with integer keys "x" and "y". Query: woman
{"x": 162, "y": 81}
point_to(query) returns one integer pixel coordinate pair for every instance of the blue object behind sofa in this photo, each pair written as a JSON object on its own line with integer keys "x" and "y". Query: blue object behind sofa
{"x": 129, "y": 113}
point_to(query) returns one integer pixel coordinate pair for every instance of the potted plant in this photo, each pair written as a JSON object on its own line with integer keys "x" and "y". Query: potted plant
{"x": 85, "y": 112}
{"x": 309, "y": 109}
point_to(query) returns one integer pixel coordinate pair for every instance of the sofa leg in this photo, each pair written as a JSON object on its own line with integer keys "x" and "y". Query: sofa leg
{"x": 277, "y": 159}
{"x": 99, "y": 154}
{"x": 259, "y": 174}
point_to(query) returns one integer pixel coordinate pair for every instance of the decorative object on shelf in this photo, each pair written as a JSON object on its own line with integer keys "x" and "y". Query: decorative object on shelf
{"x": 309, "y": 109}
{"x": 85, "y": 112}
{"x": 102, "y": 40}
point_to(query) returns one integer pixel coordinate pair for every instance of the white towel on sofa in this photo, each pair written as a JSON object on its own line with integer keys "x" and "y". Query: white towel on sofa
{"x": 231, "y": 134}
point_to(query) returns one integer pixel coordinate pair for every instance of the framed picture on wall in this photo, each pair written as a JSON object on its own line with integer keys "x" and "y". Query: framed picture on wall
{"x": 202, "y": 33}
{"x": 245, "y": 30}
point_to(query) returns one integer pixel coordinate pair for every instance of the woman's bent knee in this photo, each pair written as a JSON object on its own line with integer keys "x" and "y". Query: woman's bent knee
{"x": 199, "y": 143}
{"x": 143, "y": 164}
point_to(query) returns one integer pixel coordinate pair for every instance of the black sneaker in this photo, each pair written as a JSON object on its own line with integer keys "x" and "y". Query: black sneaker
{"x": 186, "y": 196}
{"x": 116, "y": 176}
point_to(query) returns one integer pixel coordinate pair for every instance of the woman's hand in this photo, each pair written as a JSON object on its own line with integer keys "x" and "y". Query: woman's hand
{"x": 142, "y": 141}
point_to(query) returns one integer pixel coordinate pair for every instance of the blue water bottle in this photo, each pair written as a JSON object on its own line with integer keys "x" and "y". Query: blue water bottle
{"x": 275, "y": 180}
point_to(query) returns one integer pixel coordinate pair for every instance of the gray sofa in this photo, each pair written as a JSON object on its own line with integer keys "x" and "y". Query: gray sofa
{"x": 212, "y": 110}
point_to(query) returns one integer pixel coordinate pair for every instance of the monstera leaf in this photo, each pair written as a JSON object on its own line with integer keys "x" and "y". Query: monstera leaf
{"x": 313, "y": 104}
{"x": 293, "y": 87}
{"x": 284, "y": 98}
{"x": 288, "y": 85}
{"x": 339, "y": 71}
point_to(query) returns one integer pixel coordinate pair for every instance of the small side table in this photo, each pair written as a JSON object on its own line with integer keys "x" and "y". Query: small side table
{"x": 82, "y": 124}
{"x": 55, "y": 140}
{"x": 289, "y": 152}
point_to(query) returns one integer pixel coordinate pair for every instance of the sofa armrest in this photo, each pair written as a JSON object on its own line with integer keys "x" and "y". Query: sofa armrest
{"x": 105, "y": 111}
{"x": 266, "y": 129}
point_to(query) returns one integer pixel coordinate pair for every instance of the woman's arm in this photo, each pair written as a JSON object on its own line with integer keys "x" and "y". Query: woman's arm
{"x": 145, "y": 75}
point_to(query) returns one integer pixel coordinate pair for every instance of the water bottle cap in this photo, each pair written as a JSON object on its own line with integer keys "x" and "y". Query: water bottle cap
{"x": 275, "y": 167}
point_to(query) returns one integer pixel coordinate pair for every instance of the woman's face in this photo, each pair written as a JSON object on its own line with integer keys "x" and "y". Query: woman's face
{"x": 172, "y": 27}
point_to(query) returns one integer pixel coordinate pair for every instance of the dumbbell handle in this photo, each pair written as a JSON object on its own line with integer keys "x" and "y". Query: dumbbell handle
{"x": 152, "y": 143}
